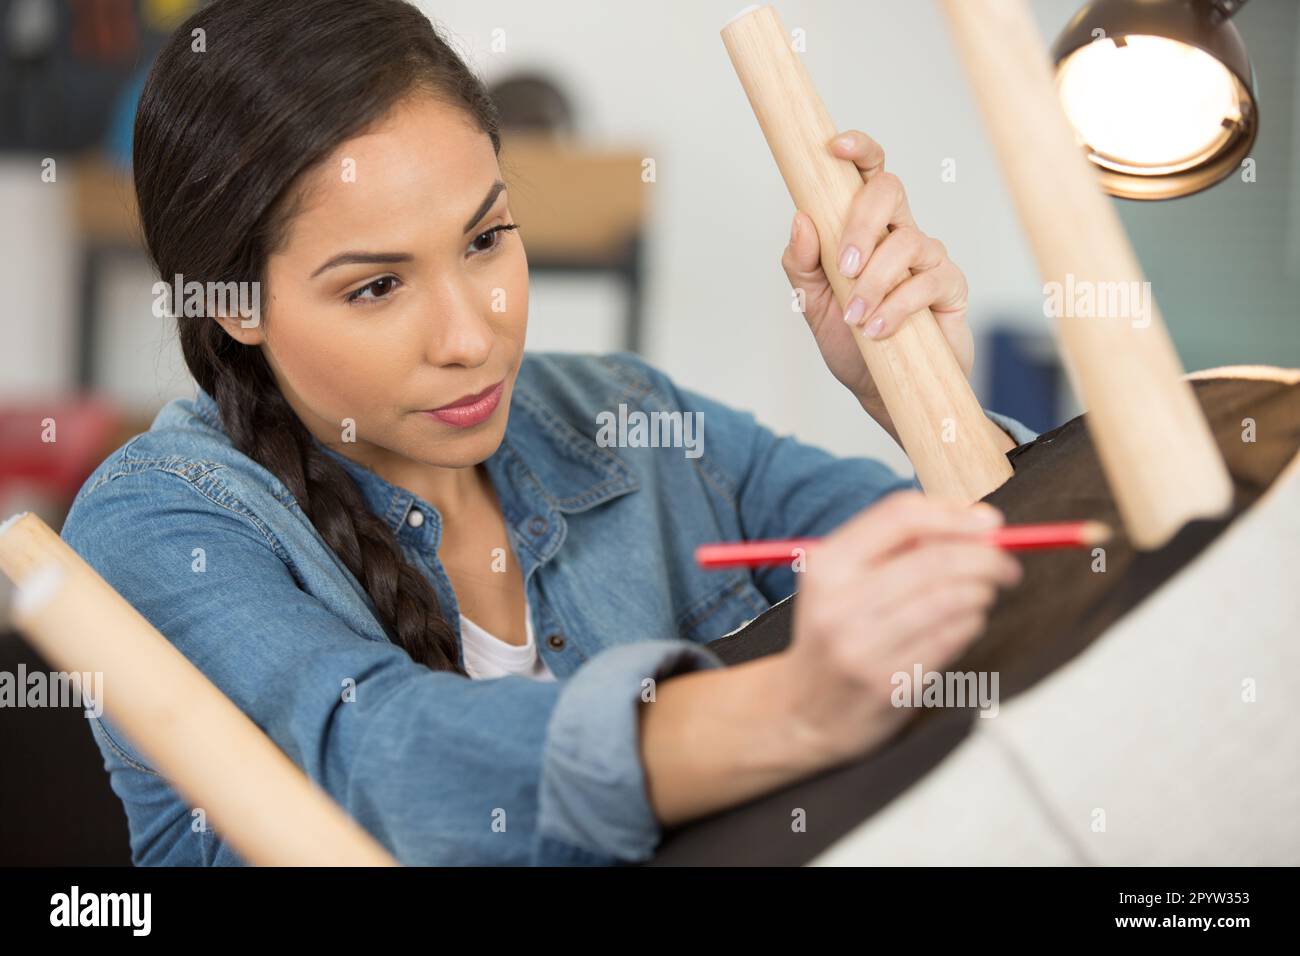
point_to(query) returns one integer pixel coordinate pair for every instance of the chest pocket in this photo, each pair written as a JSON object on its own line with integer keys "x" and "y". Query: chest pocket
{"x": 730, "y": 601}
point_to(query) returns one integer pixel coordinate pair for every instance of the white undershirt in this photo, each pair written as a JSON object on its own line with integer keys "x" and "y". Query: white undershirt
{"x": 486, "y": 655}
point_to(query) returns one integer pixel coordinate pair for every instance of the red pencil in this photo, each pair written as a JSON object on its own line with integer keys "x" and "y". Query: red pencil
{"x": 1024, "y": 537}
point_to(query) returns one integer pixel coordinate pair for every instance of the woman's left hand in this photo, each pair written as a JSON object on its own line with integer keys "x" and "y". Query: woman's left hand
{"x": 879, "y": 302}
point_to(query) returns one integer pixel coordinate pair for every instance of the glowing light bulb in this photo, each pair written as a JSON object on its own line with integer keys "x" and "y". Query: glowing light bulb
{"x": 1150, "y": 106}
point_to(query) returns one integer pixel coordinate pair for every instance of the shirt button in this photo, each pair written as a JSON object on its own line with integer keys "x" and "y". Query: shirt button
{"x": 415, "y": 518}
{"x": 555, "y": 642}
{"x": 537, "y": 524}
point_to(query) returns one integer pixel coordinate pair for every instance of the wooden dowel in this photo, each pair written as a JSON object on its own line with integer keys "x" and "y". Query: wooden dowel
{"x": 1155, "y": 445}
{"x": 209, "y": 751}
{"x": 951, "y": 442}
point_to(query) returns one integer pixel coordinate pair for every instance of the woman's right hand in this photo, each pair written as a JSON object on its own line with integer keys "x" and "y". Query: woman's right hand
{"x": 906, "y": 581}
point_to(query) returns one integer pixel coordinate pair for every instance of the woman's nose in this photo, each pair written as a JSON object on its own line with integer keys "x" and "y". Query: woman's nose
{"x": 460, "y": 334}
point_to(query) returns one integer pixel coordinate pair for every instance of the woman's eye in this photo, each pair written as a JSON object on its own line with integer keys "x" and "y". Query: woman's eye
{"x": 493, "y": 238}
{"x": 380, "y": 288}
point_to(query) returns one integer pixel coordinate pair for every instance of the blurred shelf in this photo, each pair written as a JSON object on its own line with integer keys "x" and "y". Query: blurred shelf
{"x": 573, "y": 204}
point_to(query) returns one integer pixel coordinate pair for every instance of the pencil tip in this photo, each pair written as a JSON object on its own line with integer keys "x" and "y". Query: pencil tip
{"x": 1096, "y": 532}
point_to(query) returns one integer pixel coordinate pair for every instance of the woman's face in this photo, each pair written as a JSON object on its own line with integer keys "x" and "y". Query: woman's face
{"x": 393, "y": 295}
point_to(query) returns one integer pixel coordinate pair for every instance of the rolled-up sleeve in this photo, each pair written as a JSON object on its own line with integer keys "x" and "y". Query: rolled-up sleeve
{"x": 594, "y": 792}
{"x": 441, "y": 769}
{"x": 1020, "y": 433}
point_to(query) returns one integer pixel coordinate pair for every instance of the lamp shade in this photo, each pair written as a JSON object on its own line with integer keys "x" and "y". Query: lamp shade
{"x": 1161, "y": 94}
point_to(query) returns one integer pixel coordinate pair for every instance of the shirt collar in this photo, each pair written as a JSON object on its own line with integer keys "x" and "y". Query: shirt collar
{"x": 540, "y": 452}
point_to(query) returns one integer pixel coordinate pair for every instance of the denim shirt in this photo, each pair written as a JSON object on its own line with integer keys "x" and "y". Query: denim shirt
{"x": 441, "y": 769}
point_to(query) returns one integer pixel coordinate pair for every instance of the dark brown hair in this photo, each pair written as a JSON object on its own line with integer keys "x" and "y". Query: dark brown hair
{"x": 221, "y": 136}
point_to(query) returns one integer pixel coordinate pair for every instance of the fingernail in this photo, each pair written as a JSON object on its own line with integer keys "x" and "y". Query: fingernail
{"x": 875, "y": 327}
{"x": 849, "y": 260}
{"x": 844, "y": 142}
{"x": 853, "y": 314}
{"x": 985, "y": 516}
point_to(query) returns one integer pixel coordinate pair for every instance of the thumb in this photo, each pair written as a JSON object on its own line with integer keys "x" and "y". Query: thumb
{"x": 802, "y": 260}
{"x": 803, "y": 265}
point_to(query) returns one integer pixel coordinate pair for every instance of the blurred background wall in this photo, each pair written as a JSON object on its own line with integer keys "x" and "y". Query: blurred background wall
{"x": 713, "y": 305}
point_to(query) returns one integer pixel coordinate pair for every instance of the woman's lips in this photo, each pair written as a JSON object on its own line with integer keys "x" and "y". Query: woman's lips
{"x": 472, "y": 411}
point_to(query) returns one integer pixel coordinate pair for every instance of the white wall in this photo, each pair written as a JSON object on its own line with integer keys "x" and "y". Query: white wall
{"x": 38, "y": 276}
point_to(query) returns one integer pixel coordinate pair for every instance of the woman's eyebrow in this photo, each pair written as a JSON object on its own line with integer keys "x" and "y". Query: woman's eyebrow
{"x": 384, "y": 258}
{"x": 368, "y": 258}
{"x": 493, "y": 191}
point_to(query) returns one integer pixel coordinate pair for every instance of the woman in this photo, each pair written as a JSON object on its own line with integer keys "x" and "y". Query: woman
{"x": 395, "y": 541}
